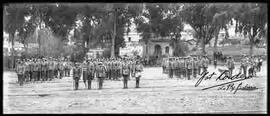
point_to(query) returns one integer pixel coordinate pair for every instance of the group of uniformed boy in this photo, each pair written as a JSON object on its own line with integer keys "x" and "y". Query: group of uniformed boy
{"x": 185, "y": 66}
{"x": 106, "y": 69}
{"x": 45, "y": 69}
{"x": 250, "y": 65}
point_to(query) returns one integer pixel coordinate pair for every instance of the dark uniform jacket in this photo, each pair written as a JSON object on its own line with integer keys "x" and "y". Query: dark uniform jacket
{"x": 126, "y": 69}
{"x": 77, "y": 72}
{"x": 20, "y": 69}
{"x": 101, "y": 71}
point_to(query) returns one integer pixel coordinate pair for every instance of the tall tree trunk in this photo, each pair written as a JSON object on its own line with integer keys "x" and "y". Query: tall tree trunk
{"x": 39, "y": 46}
{"x": 251, "y": 47}
{"x": 146, "y": 50}
{"x": 203, "y": 47}
{"x": 215, "y": 43}
{"x": 226, "y": 32}
{"x": 11, "y": 36}
{"x": 26, "y": 48}
{"x": 114, "y": 36}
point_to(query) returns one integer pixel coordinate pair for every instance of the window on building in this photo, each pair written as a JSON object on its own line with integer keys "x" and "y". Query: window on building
{"x": 167, "y": 49}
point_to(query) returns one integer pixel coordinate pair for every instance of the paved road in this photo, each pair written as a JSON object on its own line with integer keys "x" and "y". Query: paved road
{"x": 158, "y": 94}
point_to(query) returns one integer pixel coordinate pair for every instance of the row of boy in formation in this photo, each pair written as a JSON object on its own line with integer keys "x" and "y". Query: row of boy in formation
{"x": 249, "y": 65}
{"x": 102, "y": 69}
{"x": 185, "y": 66}
{"x": 45, "y": 69}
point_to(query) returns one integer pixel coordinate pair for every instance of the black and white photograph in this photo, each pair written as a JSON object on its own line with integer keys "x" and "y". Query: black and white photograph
{"x": 135, "y": 58}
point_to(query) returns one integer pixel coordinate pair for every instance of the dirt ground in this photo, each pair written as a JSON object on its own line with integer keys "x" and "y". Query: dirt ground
{"x": 158, "y": 94}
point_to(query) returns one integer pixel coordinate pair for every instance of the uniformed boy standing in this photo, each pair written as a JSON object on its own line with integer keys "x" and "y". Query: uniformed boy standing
{"x": 50, "y": 69}
{"x": 244, "y": 64}
{"x": 138, "y": 71}
{"x": 185, "y": 67}
{"x": 189, "y": 67}
{"x": 47, "y": 69}
{"x": 43, "y": 70}
{"x": 69, "y": 67}
{"x": 200, "y": 64}
{"x": 35, "y": 69}
{"x": 181, "y": 67}
{"x": 163, "y": 65}
{"x": 251, "y": 70}
{"x": 30, "y": 66}
{"x": 39, "y": 70}
{"x": 205, "y": 63}
{"x": 27, "y": 78}
{"x": 175, "y": 66}
{"x": 101, "y": 74}
{"x": 133, "y": 68}
{"x": 230, "y": 65}
{"x": 195, "y": 67}
{"x": 170, "y": 68}
{"x": 126, "y": 73}
{"x": 61, "y": 69}
{"x": 55, "y": 68}
{"x": 20, "y": 70}
{"x": 260, "y": 61}
{"x": 66, "y": 67}
{"x": 177, "y": 63}
{"x": 109, "y": 64}
{"x": 84, "y": 71}
{"x": 118, "y": 66}
{"x": 91, "y": 72}
{"x": 76, "y": 75}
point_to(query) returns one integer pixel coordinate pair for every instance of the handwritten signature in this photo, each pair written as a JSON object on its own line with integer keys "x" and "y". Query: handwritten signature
{"x": 231, "y": 87}
{"x": 228, "y": 85}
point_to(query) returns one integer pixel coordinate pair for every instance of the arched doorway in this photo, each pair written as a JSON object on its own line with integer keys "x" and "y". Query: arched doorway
{"x": 157, "y": 55}
{"x": 167, "y": 49}
{"x": 158, "y": 51}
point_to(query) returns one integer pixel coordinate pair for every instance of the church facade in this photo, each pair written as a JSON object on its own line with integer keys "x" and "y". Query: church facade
{"x": 157, "y": 48}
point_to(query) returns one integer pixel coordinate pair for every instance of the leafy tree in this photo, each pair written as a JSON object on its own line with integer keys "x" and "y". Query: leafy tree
{"x": 161, "y": 20}
{"x": 13, "y": 20}
{"x": 201, "y": 18}
{"x": 25, "y": 32}
{"x": 251, "y": 19}
{"x": 181, "y": 48}
{"x": 61, "y": 19}
{"x": 98, "y": 25}
{"x": 221, "y": 20}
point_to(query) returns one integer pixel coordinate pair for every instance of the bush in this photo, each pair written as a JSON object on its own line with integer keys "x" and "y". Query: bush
{"x": 107, "y": 53}
{"x": 194, "y": 49}
{"x": 78, "y": 54}
{"x": 180, "y": 49}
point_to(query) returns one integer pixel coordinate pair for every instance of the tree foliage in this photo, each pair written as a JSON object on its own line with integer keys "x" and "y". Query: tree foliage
{"x": 160, "y": 20}
{"x": 13, "y": 20}
{"x": 94, "y": 23}
{"x": 251, "y": 19}
{"x": 207, "y": 20}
